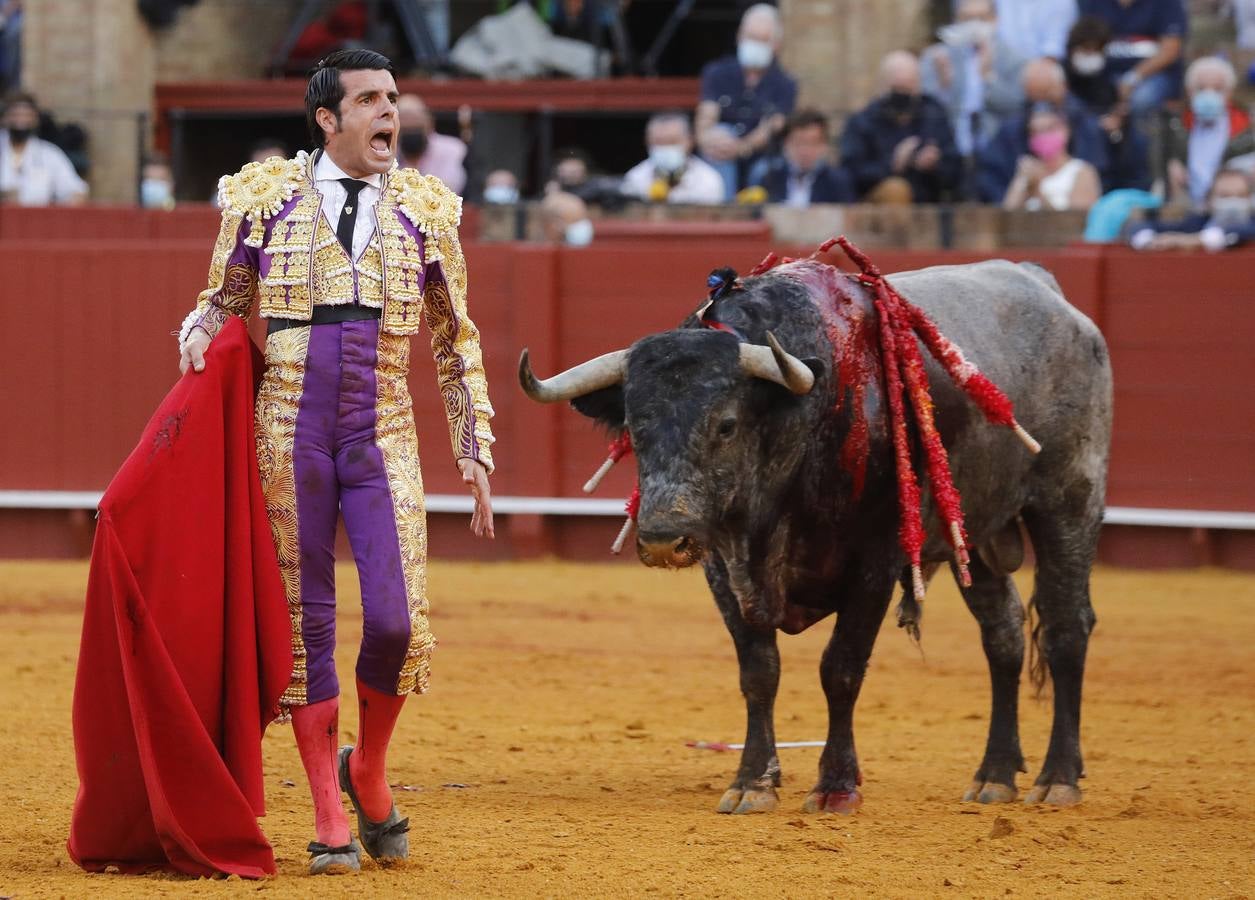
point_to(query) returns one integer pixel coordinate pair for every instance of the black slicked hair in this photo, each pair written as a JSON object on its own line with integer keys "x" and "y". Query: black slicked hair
{"x": 326, "y": 89}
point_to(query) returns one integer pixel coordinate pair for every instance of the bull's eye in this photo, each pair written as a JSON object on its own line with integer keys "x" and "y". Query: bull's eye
{"x": 726, "y": 427}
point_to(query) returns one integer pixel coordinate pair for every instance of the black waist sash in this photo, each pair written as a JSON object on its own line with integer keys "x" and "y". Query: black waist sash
{"x": 326, "y": 315}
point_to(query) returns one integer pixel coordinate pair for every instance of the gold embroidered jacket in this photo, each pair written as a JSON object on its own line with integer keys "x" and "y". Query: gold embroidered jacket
{"x": 276, "y": 248}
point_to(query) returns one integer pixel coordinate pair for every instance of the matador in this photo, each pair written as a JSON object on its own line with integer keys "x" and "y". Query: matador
{"x": 345, "y": 255}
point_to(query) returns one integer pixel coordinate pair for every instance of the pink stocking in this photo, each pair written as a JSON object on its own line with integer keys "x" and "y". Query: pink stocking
{"x": 317, "y": 728}
{"x": 378, "y": 712}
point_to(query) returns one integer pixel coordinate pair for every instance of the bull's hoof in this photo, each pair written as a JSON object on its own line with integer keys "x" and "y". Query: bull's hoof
{"x": 738, "y": 802}
{"x": 1062, "y": 795}
{"x": 990, "y": 792}
{"x": 841, "y": 802}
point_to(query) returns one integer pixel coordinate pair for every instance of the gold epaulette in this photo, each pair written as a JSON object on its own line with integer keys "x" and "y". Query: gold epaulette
{"x": 427, "y": 202}
{"x": 260, "y": 189}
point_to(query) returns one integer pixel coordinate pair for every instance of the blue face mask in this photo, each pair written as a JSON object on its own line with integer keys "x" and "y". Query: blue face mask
{"x": 1207, "y": 104}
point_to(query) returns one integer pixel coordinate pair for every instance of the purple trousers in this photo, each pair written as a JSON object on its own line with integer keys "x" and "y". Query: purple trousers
{"x": 335, "y": 437}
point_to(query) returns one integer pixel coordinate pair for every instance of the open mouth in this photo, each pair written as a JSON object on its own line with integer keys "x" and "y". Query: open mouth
{"x": 381, "y": 143}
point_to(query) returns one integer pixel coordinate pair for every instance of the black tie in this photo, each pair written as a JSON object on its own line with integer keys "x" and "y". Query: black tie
{"x": 348, "y": 213}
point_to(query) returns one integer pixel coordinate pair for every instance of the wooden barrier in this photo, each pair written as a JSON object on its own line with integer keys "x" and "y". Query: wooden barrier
{"x": 86, "y": 353}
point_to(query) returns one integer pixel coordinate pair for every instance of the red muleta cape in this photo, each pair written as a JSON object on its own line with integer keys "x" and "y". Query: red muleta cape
{"x": 186, "y": 640}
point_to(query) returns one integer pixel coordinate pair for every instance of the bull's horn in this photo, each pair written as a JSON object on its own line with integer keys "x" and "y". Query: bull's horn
{"x": 602, "y": 372}
{"x": 774, "y": 364}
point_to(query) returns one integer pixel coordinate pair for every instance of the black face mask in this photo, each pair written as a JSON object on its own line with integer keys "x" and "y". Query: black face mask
{"x": 20, "y": 135}
{"x": 414, "y": 143}
{"x": 900, "y": 101}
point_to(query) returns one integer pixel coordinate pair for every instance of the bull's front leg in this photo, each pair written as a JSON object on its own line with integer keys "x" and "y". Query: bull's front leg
{"x": 841, "y": 671}
{"x": 754, "y": 788}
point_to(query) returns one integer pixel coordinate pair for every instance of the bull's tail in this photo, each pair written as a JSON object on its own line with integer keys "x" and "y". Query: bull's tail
{"x": 1037, "y": 670}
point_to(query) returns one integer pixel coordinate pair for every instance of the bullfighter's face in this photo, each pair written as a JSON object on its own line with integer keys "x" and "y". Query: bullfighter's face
{"x": 363, "y": 138}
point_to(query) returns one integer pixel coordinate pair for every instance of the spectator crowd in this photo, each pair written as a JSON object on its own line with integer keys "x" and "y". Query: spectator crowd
{"x": 1084, "y": 105}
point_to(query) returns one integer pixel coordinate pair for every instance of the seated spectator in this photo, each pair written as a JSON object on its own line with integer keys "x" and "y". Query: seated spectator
{"x": 156, "y": 186}
{"x": 424, "y": 148}
{"x": 1049, "y": 177}
{"x": 974, "y": 73}
{"x": 564, "y": 220}
{"x": 1036, "y": 28}
{"x": 501, "y": 186}
{"x": 267, "y": 147}
{"x": 1226, "y": 222}
{"x": 899, "y": 148}
{"x": 573, "y": 173}
{"x": 745, "y": 99}
{"x": 1086, "y": 70}
{"x": 1213, "y": 132}
{"x": 1144, "y": 54}
{"x": 802, "y": 174}
{"x": 1044, "y": 82}
{"x": 34, "y": 172}
{"x": 672, "y": 174}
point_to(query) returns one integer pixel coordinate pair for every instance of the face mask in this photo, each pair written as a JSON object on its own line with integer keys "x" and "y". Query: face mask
{"x": 900, "y": 101}
{"x": 668, "y": 157}
{"x": 1088, "y": 64}
{"x": 966, "y": 34}
{"x": 155, "y": 194}
{"x": 1230, "y": 212}
{"x": 413, "y": 143}
{"x": 579, "y": 234}
{"x": 754, "y": 54}
{"x": 501, "y": 193}
{"x": 20, "y": 135}
{"x": 1048, "y": 145}
{"x": 1207, "y": 104}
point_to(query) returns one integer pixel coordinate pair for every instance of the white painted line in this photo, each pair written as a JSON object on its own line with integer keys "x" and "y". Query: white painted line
{"x": 587, "y": 506}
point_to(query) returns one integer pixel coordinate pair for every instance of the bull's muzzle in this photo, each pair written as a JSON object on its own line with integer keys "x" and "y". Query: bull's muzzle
{"x": 667, "y": 552}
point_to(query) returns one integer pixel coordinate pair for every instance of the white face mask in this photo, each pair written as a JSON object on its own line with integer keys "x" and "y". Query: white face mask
{"x": 1230, "y": 212}
{"x": 579, "y": 234}
{"x": 501, "y": 193}
{"x": 966, "y": 34}
{"x": 154, "y": 193}
{"x": 1088, "y": 63}
{"x": 754, "y": 54}
{"x": 668, "y": 157}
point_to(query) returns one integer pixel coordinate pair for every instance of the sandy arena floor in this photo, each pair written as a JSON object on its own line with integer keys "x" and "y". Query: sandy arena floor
{"x": 549, "y": 760}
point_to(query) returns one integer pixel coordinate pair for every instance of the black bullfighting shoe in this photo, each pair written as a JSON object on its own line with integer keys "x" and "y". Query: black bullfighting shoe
{"x": 387, "y": 841}
{"x": 324, "y": 860}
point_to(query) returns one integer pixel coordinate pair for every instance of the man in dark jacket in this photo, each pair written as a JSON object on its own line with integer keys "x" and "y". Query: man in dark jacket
{"x": 1044, "y": 82}
{"x": 801, "y": 174}
{"x": 899, "y": 148}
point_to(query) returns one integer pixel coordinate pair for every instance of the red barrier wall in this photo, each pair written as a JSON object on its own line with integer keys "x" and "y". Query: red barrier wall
{"x": 86, "y": 352}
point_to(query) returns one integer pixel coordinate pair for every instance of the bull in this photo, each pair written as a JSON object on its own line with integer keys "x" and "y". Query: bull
{"x": 764, "y": 454}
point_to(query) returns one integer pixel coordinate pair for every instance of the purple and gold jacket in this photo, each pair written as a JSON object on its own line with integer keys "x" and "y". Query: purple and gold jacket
{"x": 276, "y": 248}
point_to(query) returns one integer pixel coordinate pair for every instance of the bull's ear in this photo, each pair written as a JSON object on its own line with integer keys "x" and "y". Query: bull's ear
{"x": 816, "y": 365}
{"x": 604, "y": 407}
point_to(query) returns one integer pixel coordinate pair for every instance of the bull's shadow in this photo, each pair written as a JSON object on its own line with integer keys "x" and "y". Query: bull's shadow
{"x": 772, "y": 463}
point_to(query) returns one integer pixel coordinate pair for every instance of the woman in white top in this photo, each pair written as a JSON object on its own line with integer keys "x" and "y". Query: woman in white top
{"x": 1051, "y": 178}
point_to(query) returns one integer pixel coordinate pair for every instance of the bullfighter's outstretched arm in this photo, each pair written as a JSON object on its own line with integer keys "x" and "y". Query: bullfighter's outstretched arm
{"x": 455, "y": 345}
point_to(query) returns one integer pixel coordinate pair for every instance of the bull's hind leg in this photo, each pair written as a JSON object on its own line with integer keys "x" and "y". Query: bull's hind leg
{"x": 995, "y": 603}
{"x": 754, "y": 788}
{"x": 841, "y": 670}
{"x": 1065, "y": 546}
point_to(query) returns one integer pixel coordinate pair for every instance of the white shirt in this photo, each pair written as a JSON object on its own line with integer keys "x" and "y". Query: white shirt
{"x": 700, "y": 183}
{"x": 798, "y": 187}
{"x": 327, "y": 177}
{"x": 43, "y": 175}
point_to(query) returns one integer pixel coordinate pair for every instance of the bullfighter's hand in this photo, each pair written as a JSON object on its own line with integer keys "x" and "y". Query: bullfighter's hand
{"x": 193, "y": 353}
{"x": 474, "y": 474}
